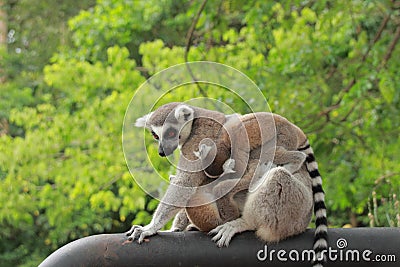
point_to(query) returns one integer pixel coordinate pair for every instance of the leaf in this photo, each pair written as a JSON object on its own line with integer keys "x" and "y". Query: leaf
{"x": 387, "y": 88}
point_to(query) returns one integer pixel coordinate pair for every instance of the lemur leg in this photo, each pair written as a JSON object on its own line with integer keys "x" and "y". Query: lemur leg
{"x": 229, "y": 186}
{"x": 234, "y": 224}
{"x": 282, "y": 206}
{"x": 204, "y": 217}
{"x": 181, "y": 221}
{"x": 219, "y": 208}
{"x": 279, "y": 208}
{"x": 228, "y": 209}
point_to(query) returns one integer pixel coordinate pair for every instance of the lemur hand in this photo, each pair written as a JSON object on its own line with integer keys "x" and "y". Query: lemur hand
{"x": 140, "y": 232}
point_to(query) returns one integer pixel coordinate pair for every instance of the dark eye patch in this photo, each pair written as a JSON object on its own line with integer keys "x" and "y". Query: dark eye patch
{"x": 170, "y": 133}
{"x": 155, "y": 135}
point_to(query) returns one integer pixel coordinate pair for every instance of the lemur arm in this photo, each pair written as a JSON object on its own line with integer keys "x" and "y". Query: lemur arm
{"x": 176, "y": 197}
{"x": 160, "y": 217}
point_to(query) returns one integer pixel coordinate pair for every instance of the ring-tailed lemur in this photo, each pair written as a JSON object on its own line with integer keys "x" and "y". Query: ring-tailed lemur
{"x": 177, "y": 124}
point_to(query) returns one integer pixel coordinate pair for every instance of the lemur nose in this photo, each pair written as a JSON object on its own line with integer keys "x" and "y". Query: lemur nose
{"x": 161, "y": 152}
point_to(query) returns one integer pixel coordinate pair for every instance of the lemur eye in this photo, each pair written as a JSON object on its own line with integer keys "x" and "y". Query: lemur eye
{"x": 155, "y": 135}
{"x": 171, "y": 134}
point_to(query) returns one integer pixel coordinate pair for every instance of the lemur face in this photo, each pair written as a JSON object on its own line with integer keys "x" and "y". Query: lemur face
{"x": 170, "y": 127}
{"x": 167, "y": 137}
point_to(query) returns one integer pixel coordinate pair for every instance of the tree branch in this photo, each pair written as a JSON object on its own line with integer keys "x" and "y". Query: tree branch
{"x": 189, "y": 39}
{"x": 189, "y": 35}
{"x": 384, "y": 177}
{"x": 353, "y": 81}
{"x": 391, "y": 48}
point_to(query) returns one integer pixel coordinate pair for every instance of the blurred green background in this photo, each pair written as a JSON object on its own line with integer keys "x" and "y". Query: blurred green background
{"x": 68, "y": 70}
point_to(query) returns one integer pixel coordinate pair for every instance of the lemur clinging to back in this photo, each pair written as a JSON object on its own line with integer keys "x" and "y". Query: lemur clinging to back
{"x": 234, "y": 131}
{"x": 290, "y": 196}
{"x": 222, "y": 200}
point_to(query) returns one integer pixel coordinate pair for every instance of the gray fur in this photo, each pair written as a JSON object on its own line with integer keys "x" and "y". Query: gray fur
{"x": 201, "y": 124}
{"x": 235, "y": 149}
{"x": 289, "y": 196}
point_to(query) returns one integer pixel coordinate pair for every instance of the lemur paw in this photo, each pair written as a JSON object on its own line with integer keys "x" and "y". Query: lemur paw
{"x": 203, "y": 151}
{"x": 139, "y": 233}
{"x": 223, "y": 234}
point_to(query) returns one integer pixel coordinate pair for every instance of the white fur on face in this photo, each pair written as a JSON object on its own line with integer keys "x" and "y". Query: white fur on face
{"x": 157, "y": 130}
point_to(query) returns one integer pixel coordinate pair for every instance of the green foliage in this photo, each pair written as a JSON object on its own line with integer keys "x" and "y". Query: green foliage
{"x": 329, "y": 66}
{"x": 36, "y": 29}
{"x": 128, "y": 23}
{"x": 63, "y": 181}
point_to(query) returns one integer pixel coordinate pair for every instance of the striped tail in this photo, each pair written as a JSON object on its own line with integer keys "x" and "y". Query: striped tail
{"x": 321, "y": 225}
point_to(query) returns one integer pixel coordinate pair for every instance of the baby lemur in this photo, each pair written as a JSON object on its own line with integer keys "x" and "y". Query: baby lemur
{"x": 223, "y": 206}
{"x": 282, "y": 203}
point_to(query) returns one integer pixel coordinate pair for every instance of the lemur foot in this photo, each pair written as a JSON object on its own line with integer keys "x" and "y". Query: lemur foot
{"x": 140, "y": 233}
{"x": 223, "y": 234}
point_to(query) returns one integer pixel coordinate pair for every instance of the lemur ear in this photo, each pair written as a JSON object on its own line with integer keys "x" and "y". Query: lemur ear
{"x": 184, "y": 113}
{"x": 141, "y": 122}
